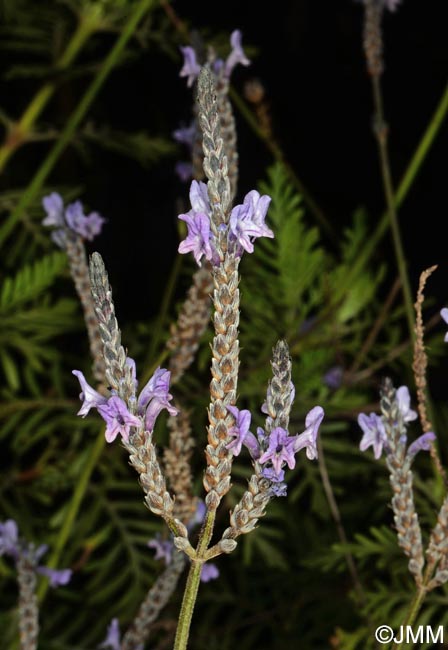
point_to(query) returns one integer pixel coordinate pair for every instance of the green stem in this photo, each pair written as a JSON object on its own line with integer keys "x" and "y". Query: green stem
{"x": 192, "y": 586}
{"x": 405, "y": 185}
{"x": 78, "y": 495}
{"x": 53, "y": 156}
{"x": 87, "y": 24}
{"x": 381, "y": 133}
{"x": 413, "y": 611}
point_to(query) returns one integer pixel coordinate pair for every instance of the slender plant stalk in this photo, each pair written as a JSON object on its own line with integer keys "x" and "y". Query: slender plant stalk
{"x": 53, "y": 156}
{"x": 401, "y": 193}
{"x": 192, "y": 586}
{"x": 73, "y": 509}
{"x": 416, "y": 602}
{"x": 381, "y": 133}
{"x": 19, "y": 132}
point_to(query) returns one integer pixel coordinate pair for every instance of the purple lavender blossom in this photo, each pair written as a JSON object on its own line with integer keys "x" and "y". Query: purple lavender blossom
{"x": 9, "y": 538}
{"x": 91, "y": 398}
{"x": 198, "y": 237}
{"x": 71, "y": 218}
{"x": 112, "y": 640}
{"x": 118, "y": 419}
{"x": 404, "y": 402}
{"x": 56, "y": 577}
{"x": 241, "y": 434}
{"x": 163, "y": 547}
{"x": 280, "y": 450}
{"x": 113, "y": 637}
{"x": 423, "y": 443}
{"x": 54, "y": 207}
{"x": 333, "y": 377}
{"x": 155, "y": 397}
{"x": 11, "y": 545}
{"x": 184, "y": 170}
{"x": 247, "y": 220}
{"x": 209, "y": 572}
{"x": 374, "y": 433}
{"x": 308, "y": 439}
{"x": 191, "y": 68}
{"x": 272, "y": 475}
{"x": 198, "y": 516}
{"x": 237, "y": 54}
{"x": 444, "y": 315}
{"x": 186, "y": 134}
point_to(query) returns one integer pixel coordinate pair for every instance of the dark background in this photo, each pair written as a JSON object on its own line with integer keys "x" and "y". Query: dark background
{"x": 309, "y": 58}
{"x": 311, "y": 63}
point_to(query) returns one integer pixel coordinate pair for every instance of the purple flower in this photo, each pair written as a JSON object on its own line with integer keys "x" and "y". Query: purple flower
{"x": 247, "y": 220}
{"x": 112, "y": 639}
{"x": 444, "y": 315}
{"x": 333, "y": 377}
{"x": 198, "y": 237}
{"x": 236, "y": 55}
{"x": 241, "y": 434}
{"x": 191, "y": 68}
{"x": 272, "y": 475}
{"x": 91, "y": 397}
{"x": 186, "y": 134}
{"x": 423, "y": 443}
{"x": 308, "y": 438}
{"x": 57, "y": 577}
{"x": 404, "y": 401}
{"x": 54, "y": 207}
{"x": 374, "y": 433}
{"x": 209, "y": 572}
{"x": 10, "y": 544}
{"x": 280, "y": 450}
{"x": 154, "y": 397}
{"x": 198, "y": 516}
{"x": 118, "y": 419}
{"x": 9, "y": 538}
{"x": 86, "y": 226}
{"x": 163, "y": 547}
{"x": 184, "y": 170}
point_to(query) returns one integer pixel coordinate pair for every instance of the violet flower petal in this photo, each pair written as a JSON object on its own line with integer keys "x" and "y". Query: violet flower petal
{"x": 190, "y": 68}
{"x": 423, "y": 443}
{"x": 404, "y": 402}
{"x": 374, "y": 433}
{"x": 54, "y": 207}
{"x": 209, "y": 572}
{"x": 91, "y": 397}
{"x": 117, "y": 418}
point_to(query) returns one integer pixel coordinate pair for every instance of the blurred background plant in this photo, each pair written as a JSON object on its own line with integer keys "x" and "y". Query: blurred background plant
{"x": 90, "y": 99}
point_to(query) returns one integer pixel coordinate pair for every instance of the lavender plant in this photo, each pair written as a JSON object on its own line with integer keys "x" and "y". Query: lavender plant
{"x": 64, "y": 484}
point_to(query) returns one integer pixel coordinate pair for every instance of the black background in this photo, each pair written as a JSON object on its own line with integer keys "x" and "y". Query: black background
{"x": 311, "y": 63}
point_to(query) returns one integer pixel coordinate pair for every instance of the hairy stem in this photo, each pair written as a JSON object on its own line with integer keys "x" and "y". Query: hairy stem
{"x": 192, "y": 586}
